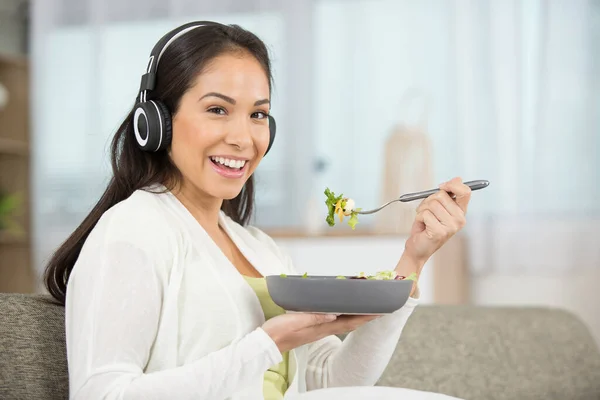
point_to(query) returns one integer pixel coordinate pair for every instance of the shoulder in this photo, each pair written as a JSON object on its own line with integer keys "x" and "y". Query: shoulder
{"x": 134, "y": 240}
{"x": 142, "y": 221}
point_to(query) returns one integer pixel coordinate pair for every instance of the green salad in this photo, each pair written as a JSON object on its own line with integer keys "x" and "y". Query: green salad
{"x": 342, "y": 207}
{"x": 379, "y": 276}
{"x": 383, "y": 276}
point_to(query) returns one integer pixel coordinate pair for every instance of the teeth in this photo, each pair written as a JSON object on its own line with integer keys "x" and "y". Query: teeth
{"x": 236, "y": 164}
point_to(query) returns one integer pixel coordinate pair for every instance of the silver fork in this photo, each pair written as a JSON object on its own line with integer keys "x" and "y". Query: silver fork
{"x": 474, "y": 185}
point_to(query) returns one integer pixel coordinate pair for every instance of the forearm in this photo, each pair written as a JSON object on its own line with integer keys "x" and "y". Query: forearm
{"x": 363, "y": 355}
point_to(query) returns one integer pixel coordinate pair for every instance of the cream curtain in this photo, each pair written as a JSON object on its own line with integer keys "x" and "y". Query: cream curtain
{"x": 515, "y": 89}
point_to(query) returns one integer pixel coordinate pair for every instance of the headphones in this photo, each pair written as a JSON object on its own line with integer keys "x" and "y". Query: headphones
{"x": 151, "y": 118}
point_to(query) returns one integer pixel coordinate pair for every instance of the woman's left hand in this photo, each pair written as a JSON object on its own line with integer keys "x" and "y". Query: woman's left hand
{"x": 438, "y": 218}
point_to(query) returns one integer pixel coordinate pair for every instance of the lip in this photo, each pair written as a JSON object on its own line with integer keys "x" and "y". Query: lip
{"x": 229, "y": 173}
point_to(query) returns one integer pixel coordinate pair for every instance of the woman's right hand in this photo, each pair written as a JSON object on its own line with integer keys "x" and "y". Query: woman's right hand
{"x": 292, "y": 330}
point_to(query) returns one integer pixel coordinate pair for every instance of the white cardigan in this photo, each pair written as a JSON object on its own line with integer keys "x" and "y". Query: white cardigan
{"x": 155, "y": 310}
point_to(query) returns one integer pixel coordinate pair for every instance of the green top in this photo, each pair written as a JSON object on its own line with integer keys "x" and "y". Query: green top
{"x": 276, "y": 378}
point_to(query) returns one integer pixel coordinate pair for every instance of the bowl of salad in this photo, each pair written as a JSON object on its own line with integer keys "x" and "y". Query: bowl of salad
{"x": 362, "y": 294}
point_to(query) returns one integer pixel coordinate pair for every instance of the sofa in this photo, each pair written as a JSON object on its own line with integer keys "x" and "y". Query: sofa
{"x": 470, "y": 352}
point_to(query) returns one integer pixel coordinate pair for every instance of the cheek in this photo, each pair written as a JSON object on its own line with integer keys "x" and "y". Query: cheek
{"x": 193, "y": 134}
{"x": 188, "y": 145}
{"x": 261, "y": 141}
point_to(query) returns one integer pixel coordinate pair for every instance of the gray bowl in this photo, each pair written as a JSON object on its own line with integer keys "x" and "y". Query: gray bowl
{"x": 327, "y": 294}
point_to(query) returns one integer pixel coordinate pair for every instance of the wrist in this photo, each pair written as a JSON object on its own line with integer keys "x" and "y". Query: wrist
{"x": 410, "y": 263}
{"x": 273, "y": 336}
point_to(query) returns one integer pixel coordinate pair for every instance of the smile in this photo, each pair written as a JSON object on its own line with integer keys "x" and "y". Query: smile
{"x": 229, "y": 163}
{"x": 229, "y": 167}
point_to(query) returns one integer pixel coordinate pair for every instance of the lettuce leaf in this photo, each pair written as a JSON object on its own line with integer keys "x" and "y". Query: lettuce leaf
{"x": 412, "y": 277}
{"x": 354, "y": 218}
{"x": 331, "y": 200}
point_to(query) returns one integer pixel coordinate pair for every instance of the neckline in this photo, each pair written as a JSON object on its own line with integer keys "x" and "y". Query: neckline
{"x": 227, "y": 225}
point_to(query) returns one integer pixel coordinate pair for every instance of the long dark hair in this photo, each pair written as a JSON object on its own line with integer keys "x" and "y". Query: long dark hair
{"x": 134, "y": 169}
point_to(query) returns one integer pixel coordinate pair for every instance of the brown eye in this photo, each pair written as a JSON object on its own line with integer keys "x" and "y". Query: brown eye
{"x": 259, "y": 115}
{"x": 217, "y": 110}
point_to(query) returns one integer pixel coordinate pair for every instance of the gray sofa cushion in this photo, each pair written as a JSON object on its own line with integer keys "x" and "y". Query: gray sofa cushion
{"x": 33, "y": 360}
{"x": 489, "y": 353}
{"x": 468, "y": 352}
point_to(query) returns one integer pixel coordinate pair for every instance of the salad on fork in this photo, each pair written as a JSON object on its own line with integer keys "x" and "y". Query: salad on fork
{"x": 342, "y": 207}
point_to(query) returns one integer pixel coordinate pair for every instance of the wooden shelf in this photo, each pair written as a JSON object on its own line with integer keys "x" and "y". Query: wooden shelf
{"x": 9, "y": 239}
{"x": 14, "y": 60}
{"x": 16, "y": 271}
{"x": 13, "y": 147}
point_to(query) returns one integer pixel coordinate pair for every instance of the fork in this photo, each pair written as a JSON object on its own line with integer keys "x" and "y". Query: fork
{"x": 474, "y": 185}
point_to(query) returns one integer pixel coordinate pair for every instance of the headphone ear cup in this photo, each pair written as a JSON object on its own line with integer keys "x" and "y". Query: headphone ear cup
{"x": 167, "y": 127}
{"x": 152, "y": 126}
{"x": 272, "y": 132}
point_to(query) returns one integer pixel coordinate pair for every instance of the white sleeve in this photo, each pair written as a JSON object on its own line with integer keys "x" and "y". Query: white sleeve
{"x": 362, "y": 357}
{"x": 113, "y": 311}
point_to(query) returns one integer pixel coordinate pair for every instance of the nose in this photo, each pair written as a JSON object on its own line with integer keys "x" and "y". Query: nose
{"x": 239, "y": 133}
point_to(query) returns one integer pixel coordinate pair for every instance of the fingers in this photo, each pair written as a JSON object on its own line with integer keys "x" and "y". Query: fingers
{"x": 461, "y": 192}
{"x": 433, "y": 227}
{"x": 302, "y": 320}
{"x": 344, "y": 324}
{"x": 448, "y": 211}
{"x": 295, "y": 329}
{"x": 445, "y": 210}
{"x": 319, "y": 319}
{"x": 435, "y": 206}
{"x": 349, "y": 323}
{"x": 449, "y": 203}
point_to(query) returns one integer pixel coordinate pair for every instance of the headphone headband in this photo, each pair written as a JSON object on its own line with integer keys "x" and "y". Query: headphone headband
{"x": 148, "y": 81}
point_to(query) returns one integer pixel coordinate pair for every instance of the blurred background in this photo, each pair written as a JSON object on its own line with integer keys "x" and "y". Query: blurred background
{"x": 373, "y": 99}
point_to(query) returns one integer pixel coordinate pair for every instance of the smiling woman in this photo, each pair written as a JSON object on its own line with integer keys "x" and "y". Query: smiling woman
{"x": 213, "y": 94}
{"x": 164, "y": 281}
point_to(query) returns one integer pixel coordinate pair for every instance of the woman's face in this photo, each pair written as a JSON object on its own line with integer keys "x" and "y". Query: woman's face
{"x": 221, "y": 130}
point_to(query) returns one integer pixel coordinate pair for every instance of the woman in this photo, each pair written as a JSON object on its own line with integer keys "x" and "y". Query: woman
{"x": 162, "y": 280}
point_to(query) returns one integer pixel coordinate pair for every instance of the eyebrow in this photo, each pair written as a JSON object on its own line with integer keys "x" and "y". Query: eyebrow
{"x": 231, "y": 100}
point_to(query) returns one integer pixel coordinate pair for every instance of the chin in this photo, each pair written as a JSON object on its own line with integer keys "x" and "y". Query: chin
{"x": 230, "y": 195}
{"x": 227, "y": 193}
